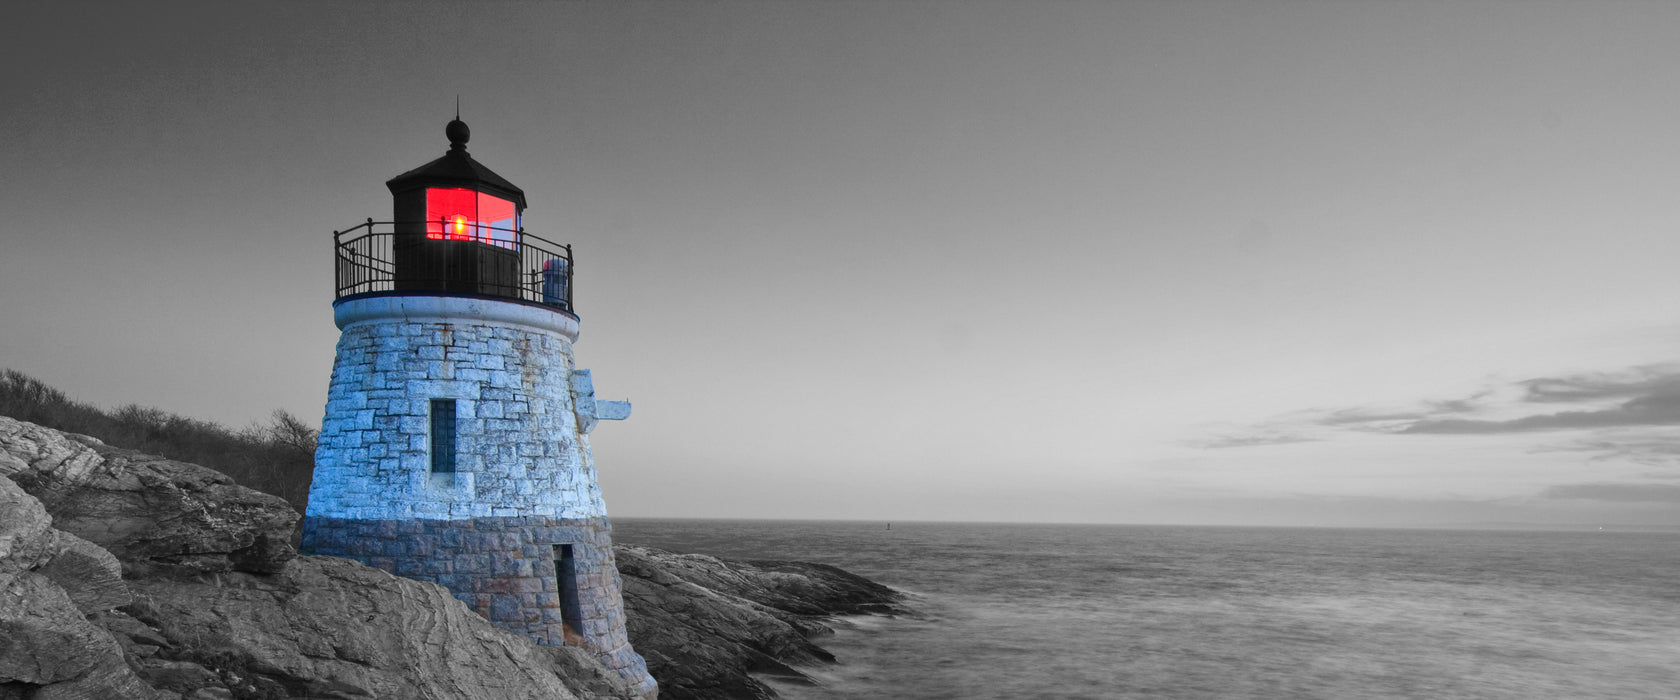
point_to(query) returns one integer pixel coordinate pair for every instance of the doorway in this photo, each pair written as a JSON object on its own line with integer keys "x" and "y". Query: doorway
{"x": 566, "y": 581}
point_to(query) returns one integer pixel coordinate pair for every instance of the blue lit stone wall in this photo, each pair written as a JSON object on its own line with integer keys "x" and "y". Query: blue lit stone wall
{"x": 519, "y": 448}
{"x": 524, "y": 481}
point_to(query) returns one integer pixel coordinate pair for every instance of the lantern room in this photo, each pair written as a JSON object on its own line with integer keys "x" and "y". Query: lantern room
{"x": 456, "y": 229}
{"x": 456, "y": 224}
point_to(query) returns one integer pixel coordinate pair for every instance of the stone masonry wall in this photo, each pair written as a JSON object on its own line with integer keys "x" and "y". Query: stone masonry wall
{"x": 519, "y": 451}
{"x": 524, "y": 478}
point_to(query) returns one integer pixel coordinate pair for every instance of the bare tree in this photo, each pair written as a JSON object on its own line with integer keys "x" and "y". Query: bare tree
{"x": 288, "y": 431}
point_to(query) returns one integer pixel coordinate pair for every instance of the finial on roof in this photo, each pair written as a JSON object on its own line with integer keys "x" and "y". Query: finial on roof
{"x": 458, "y": 134}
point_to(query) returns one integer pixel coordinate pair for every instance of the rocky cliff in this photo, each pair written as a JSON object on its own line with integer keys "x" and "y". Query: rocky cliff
{"x": 706, "y": 626}
{"x": 124, "y": 575}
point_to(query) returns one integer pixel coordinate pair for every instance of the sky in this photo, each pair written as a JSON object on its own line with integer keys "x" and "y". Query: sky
{"x": 1246, "y": 263}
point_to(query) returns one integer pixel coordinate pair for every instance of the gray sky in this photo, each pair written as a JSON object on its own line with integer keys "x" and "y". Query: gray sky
{"x": 1265, "y": 263}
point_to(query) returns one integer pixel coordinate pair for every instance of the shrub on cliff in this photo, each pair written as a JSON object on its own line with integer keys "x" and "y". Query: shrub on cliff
{"x": 277, "y": 457}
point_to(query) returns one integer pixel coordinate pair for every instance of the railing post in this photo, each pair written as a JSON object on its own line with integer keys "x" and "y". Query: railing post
{"x": 338, "y": 267}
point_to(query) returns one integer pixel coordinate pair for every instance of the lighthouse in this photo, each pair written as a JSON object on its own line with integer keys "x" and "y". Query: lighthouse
{"x": 455, "y": 446}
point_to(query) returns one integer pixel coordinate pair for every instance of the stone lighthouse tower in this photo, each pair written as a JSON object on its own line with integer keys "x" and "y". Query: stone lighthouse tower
{"x": 455, "y": 447}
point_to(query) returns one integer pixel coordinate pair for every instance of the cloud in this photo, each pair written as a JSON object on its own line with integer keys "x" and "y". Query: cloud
{"x": 1620, "y": 493}
{"x": 1657, "y": 447}
{"x": 1251, "y": 441}
{"x": 1646, "y": 380}
{"x": 1365, "y": 418}
{"x": 1390, "y": 420}
{"x": 1654, "y": 403}
{"x": 1464, "y": 405}
{"x": 1626, "y": 413}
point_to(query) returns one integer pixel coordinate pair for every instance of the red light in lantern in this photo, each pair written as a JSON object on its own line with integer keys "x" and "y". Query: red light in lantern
{"x": 459, "y": 214}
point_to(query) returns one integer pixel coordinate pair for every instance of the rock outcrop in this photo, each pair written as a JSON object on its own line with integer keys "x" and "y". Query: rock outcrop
{"x": 326, "y": 627}
{"x": 151, "y": 513}
{"x": 124, "y": 575}
{"x": 706, "y": 626}
{"x": 129, "y": 576}
{"x": 47, "y": 643}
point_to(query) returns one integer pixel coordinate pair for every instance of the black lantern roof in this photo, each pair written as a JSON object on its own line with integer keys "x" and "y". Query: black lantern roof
{"x": 457, "y": 169}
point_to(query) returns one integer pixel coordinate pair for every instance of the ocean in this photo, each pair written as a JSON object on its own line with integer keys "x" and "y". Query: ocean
{"x": 1074, "y": 611}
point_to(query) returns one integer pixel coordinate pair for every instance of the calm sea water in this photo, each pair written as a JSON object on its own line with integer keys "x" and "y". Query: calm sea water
{"x": 1047, "y": 611}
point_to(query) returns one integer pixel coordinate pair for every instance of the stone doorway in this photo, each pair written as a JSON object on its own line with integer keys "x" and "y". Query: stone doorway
{"x": 566, "y": 584}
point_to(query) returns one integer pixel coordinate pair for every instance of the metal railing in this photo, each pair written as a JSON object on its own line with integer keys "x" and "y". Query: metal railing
{"x": 386, "y": 256}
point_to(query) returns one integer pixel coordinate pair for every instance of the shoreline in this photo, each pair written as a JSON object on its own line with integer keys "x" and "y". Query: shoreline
{"x": 135, "y": 576}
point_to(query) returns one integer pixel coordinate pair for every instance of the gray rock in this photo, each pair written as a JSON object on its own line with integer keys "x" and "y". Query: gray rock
{"x": 138, "y": 640}
{"x": 44, "y": 639}
{"x": 585, "y": 675}
{"x": 87, "y": 572}
{"x": 152, "y": 513}
{"x": 27, "y": 538}
{"x": 707, "y": 626}
{"x": 330, "y": 627}
{"x": 51, "y": 459}
{"x": 177, "y": 676}
{"x": 48, "y": 648}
